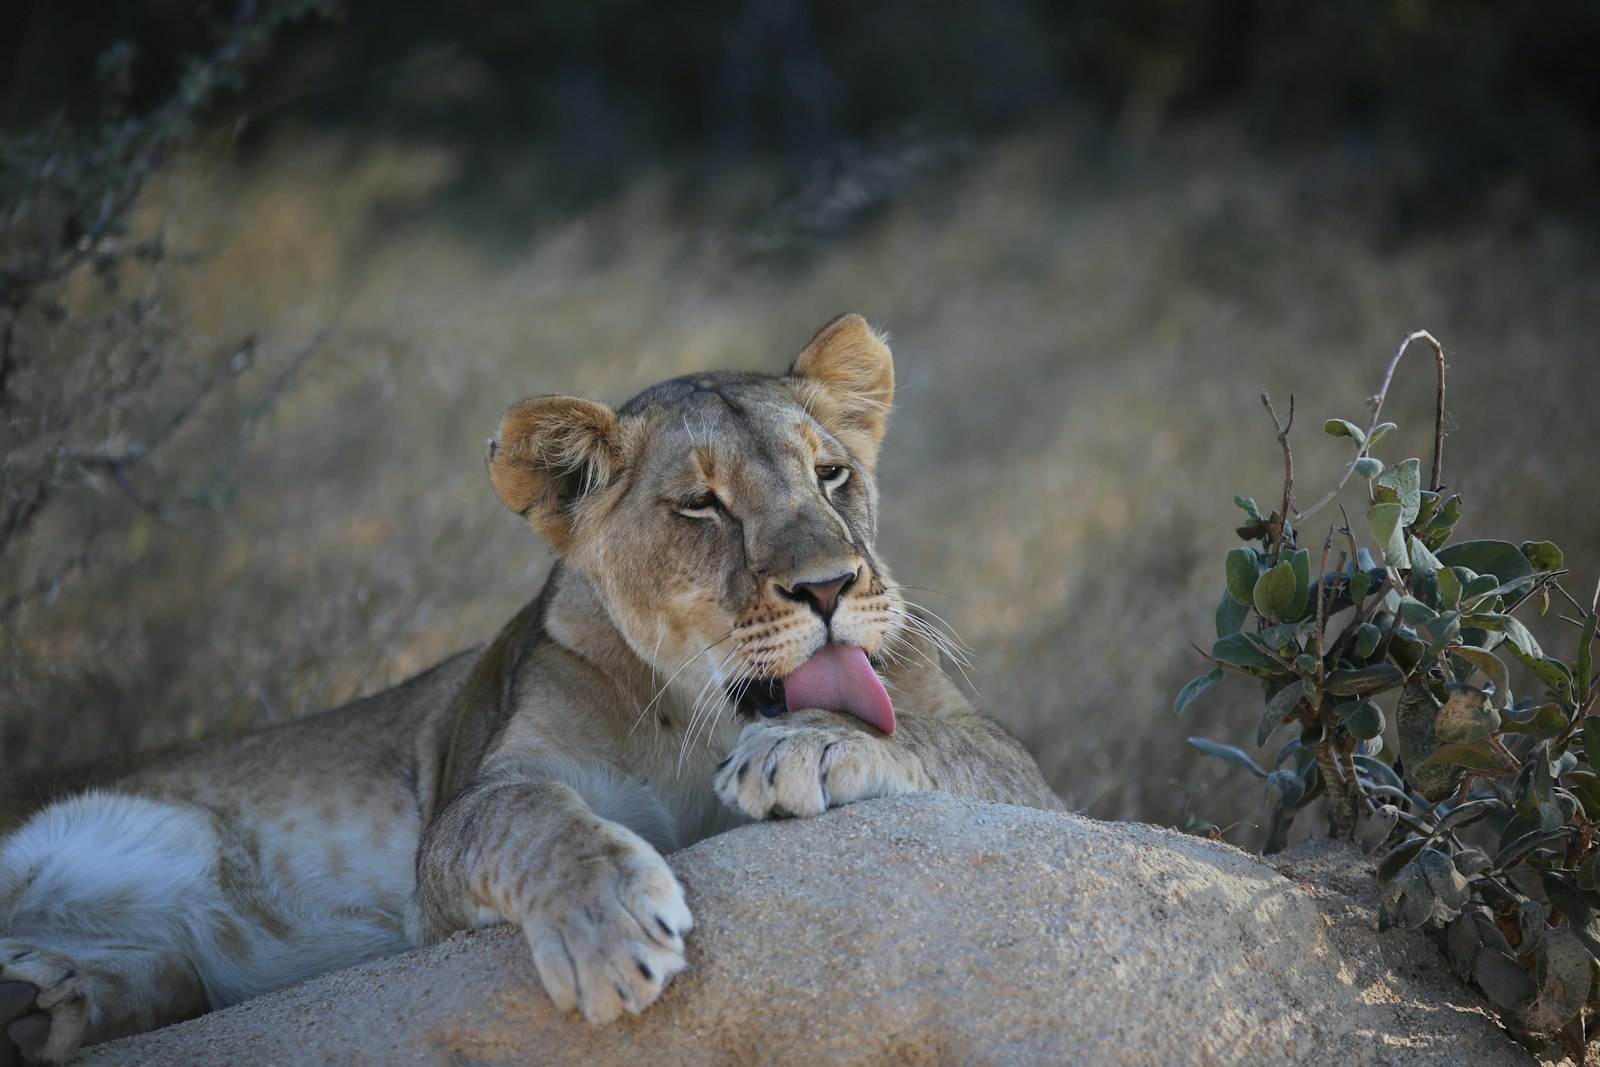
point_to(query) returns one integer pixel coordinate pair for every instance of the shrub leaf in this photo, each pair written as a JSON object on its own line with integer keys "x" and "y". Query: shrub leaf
{"x": 1383, "y": 521}
{"x": 1195, "y": 687}
{"x": 1477, "y": 757}
{"x": 1405, "y": 478}
{"x": 1344, "y": 428}
{"x": 1283, "y": 702}
{"x": 1357, "y": 681}
{"x": 1243, "y": 567}
{"x": 1466, "y": 716}
{"x": 1229, "y": 753}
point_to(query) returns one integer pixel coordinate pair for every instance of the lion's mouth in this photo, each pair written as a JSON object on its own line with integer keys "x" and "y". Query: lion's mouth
{"x": 760, "y": 697}
{"x": 836, "y": 677}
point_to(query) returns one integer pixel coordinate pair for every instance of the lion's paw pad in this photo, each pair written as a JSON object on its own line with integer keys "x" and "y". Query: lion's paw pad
{"x": 44, "y": 1007}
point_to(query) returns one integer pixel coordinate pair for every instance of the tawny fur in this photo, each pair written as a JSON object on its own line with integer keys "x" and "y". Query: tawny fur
{"x": 539, "y": 779}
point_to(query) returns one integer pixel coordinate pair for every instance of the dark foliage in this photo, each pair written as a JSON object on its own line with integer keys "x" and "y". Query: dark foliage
{"x": 1486, "y": 809}
{"x": 1453, "y": 104}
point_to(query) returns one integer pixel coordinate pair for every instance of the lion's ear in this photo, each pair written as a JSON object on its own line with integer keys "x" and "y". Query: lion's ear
{"x": 548, "y": 452}
{"x": 849, "y": 378}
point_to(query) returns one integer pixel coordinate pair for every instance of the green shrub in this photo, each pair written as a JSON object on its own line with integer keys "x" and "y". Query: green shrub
{"x": 1488, "y": 816}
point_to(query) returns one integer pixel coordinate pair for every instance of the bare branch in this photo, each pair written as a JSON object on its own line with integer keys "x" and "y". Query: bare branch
{"x": 1283, "y": 533}
{"x": 1438, "y": 416}
{"x": 49, "y": 584}
{"x": 1375, "y": 403}
{"x": 1322, "y": 604}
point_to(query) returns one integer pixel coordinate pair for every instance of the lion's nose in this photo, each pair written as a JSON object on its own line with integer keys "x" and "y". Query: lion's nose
{"x": 821, "y": 595}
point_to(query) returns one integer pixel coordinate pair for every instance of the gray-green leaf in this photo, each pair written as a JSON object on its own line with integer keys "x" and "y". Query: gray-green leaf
{"x": 1365, "y": 639}
{"x": 1243, "y": 567}
{"x": 1300, "y": 562}
{"x": 1563, "y": 977}
{"x": 1365, "y": 721}
{"x": 1195, "y": 687}
{"x": 1274, "y": 592}
{"x": 1387, "y": 529}
{"x": 1237, "y": 650}
{"x": 1503, "y": 981}
{"x": 1492, "y": 666}
{"x": 1502, "y": 559}
{"x": 1227, "y": 752}
{"x": 1357, "y": 681}
{"x": 1231, "y": 615}
{"x": 1585, "y": 660}
{"x": 1449, "y": 586}
{"x": 1449, "y": 887}
{"x": 1405, "y": 478}
{"x": 1343, "y": 428}
{"x": 1278, "y": 708}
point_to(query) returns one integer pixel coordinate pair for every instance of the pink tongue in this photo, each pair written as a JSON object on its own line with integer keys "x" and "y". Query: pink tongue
{"x": 839, "y": 678}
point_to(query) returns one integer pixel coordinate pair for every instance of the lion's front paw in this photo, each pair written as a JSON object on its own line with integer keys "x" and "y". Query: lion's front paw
{"x": 805, "y": 762}
{"x": 44, "y": 1006}
{"x": 611, "y": 942}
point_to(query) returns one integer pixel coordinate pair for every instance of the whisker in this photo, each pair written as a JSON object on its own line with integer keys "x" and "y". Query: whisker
{"x": 914, "y": 649}
{"x": 953, "y": 646}
{"x": 665, "y": 685}
{"x": 926, "y": 589}
{"x": 697, "y": 711}
{"x": 939, "y": 641}
{"x": 940, "y": 619}
{"x": 936, "y": 637}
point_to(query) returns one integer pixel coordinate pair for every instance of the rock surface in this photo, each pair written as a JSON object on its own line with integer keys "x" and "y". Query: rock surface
{"x": 924, "y": 930}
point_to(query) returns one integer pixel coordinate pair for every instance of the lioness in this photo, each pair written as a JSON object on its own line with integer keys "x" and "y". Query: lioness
{"x": 718, "y": 626}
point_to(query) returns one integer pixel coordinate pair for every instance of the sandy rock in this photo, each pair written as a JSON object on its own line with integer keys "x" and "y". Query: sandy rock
{"x": 924, "y": 930}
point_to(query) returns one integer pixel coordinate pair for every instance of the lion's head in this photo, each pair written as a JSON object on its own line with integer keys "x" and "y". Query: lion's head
{"x": 728, "y": 520}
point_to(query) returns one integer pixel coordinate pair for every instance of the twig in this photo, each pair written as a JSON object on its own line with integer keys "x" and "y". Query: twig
{"x": 1350, "y": 535}
{"x": 1438, "y": 416}
{"x": 1338, "y": 789}
{"x": 1226, "y": 666}
{"x": 1281, "y": 528}
{"x": 1376, "y": 404}
{"x": 1347, "y": 764}
{"x": 1508, "y": 760}
{"x": 1323, "y": 596}
{"x": 48, "y": 583}
{"x": 1570, "y": 600}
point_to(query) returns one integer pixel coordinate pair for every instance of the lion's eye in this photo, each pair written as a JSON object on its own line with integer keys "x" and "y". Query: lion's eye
{"x": 832, "y": 475}
{"x": 701, "y": 504}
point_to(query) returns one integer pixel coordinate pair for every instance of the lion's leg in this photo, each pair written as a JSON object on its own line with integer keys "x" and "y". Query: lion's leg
{"x": 54, "y": 1000}
{"x": 602, "y": 911}
{"x": 103, "y": 906}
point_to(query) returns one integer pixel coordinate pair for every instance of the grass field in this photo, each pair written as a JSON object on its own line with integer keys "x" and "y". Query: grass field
{"x": 1080, "y": 347}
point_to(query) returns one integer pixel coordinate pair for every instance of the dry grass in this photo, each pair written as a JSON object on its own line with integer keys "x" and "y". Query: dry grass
{"x": 1080, "y": 348}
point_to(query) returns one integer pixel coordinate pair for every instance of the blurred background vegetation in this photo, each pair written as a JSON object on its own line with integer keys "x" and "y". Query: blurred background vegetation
{"x": 270, "y": 272}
